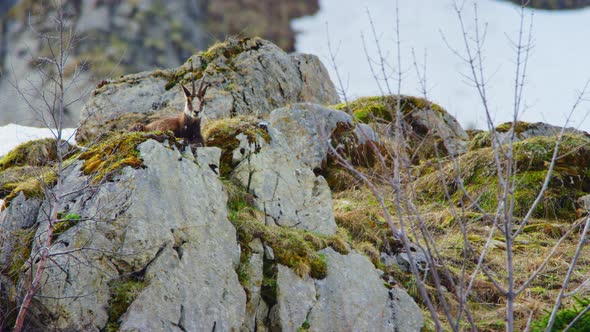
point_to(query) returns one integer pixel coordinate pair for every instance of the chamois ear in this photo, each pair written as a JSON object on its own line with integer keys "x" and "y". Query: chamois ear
{"x": 186, "y": 92}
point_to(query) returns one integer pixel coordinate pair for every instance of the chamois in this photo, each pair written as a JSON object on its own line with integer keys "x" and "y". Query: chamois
{"x": 186, "y": 125}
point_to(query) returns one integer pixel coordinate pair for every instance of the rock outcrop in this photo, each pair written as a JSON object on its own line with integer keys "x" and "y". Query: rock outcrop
{"x": 247, "y": 77}
{"x": 426, "y": 126}
{"x": 507, "y": 132}
{"x": 238, "y": 235}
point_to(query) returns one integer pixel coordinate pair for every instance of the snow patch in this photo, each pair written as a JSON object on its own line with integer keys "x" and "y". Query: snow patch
{"x": 12, "y": 135}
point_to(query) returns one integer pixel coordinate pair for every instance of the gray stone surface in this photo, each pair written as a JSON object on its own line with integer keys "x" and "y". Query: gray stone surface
{"x": 295, "y": 298}
{"x": 407, "y": 316}
{"x": 584, "y": 202}
{"x": 167, "y": 222}
{"x": 418, "y": 256}
{"x": 365, "y": 133}
{"x": 22, "y": 213}
{"x": 338, "y": 307}
{"x": 352, "y": 297}
{"x": 307, "y": 128}
{"x": 534, "y": 130}
{"x": 444, "y": 125}
{"x": 286, "y": 190}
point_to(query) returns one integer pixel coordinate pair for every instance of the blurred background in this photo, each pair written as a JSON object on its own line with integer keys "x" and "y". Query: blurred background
{"x": 120, "y": 37}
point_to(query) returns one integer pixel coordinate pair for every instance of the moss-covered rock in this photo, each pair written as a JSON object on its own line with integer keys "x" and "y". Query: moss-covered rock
{"x": 85, "y": 136}
{"x": 103, "y": 160}
{"x": 20, "y": 253}
{"x": 123, "y": 292}
{"x": 40, "y": 152}
{"x": 506, "y": 132}
{"x": 224, "y": 134}
{"x": 30, "y": 168}
{"x": 570, "y": 178}
{"x": 425, "y": 125}
{"x": 247, "y": 76}
{"x": 292, "y": 247}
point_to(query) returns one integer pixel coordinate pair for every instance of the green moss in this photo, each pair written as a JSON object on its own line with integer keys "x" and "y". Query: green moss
{"x": 369, "y": 232}
{"x": 31, "y": 181}
{"x": 382, "y": 108}
{"x": 105, "y": 159}
{"x": 305, "y": 326}
{"x": 222, "y": 133}
{"x": 268, "y": 289}
{"x": 292, "y": 247}
{"x": 23, "y": 243}
{"x": 520, "y": 127}
{"x": 34, "y": 153}
{"x": 244, "y": 269}
{"x": 66, "y": 221}
{"x": 570, "y": 178}
{"x": 88, "y": 134}
{"x": 29, "y": 168}
{"x": 123, "y": 293}
{"x": 480, "y": 140}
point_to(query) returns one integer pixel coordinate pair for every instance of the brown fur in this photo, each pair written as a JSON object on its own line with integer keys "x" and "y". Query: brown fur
{"x": 183, "y": 125}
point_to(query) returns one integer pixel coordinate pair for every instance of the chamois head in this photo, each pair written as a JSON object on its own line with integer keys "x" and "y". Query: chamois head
{"x": 189, "y": 110}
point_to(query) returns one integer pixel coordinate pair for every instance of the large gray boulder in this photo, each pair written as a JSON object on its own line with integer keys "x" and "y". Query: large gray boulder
{"x": 286, "y": 189}
{"x": 161, "y": 235}
{"x": 353, "y": 298}
{"x": 308, "y": 128}
{"x": 425, "y": 125}
{"x": 249, "y": 76}
{"x": 152, "y": 250}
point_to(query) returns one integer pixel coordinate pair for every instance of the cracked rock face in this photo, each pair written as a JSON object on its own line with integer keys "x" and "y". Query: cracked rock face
{"x": 286, "y": 189}
{"x": 181, "y": 249}
{"x": 157, "y": 241}
{"x": 351, "y": 298}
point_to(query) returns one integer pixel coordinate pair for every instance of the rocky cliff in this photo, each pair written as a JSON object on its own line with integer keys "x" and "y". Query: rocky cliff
{"x": 262, "y": 229}
{"x": 239, "y": 235}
